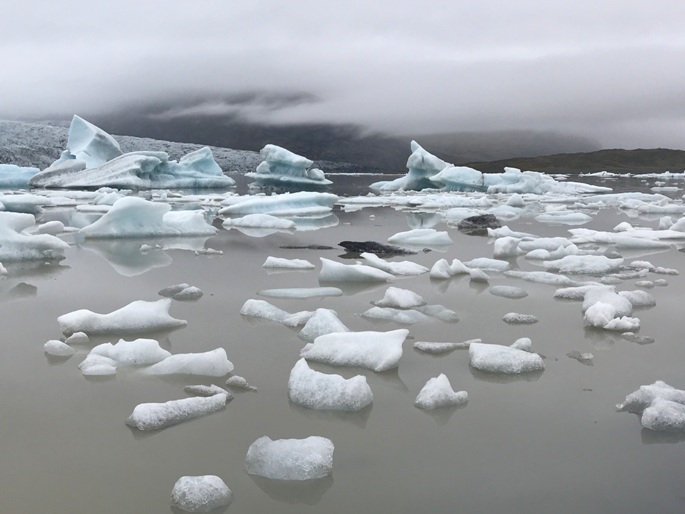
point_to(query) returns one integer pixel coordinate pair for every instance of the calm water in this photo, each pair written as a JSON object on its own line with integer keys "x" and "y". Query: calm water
{"x": 547, "y": 442}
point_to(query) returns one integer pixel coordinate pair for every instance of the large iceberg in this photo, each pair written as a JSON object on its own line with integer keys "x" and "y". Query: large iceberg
{"x": 290, "y": 459}
{"x": 16, "y": 244}
{"x": 422, "y": 166}
{"x": 282, "y": 167}
{"x": 136, "y": 217}
{"x": 93, "y": 158}
{"x": 314, "y": 390}
{"x": 378, "y": 351}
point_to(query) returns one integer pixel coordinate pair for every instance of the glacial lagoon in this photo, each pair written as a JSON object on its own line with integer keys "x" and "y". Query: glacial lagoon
{"x": 546, "y": 441}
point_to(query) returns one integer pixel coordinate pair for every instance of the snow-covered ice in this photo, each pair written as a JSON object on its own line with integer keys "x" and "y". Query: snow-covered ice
{"x": 332, "y": 271}
{"x": 495, "y": 358}
{"x": 155, "y": 416}
{"x": 438, "y": 393}
{"x": 405, "y": 268}
{"x": 313, "y": 390}
{"x": 181, "y": 292}
{"x": 378, "y": 351}
{"x": 324, "y": 321}
{"x": 200, "y": 493}
{"x": 515, "y": 318}
{"x": 512, "y": 292}
{"x": 238, "y": 382}
{"x": 440, "y": 347}
{"x": 661, "y": 407}
{"x": 399, "y": 298}
{"x": 402, "y": 316}
{"x": 290, "y": 459}
{"x": 265, "y": 310}
{"x": 301, "y": 292}
{"x": 137, "y": 316}
{"x": 104, "y": 359}
{"x": 428, "y": 237}
{"x": 281, "y": 263}
{"x": 57, "y": 348}
{"x": 260, "y": 221}
{"x": 212, "y": 363}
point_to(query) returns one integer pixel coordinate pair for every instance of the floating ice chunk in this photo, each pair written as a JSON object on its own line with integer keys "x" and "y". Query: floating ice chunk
{"x": 332, "y": 271}
{"x": 399, "y": 298}
{"x": 406, "y": 317}
{"x": 422, "y": 165}
{"x": 378, "y": 351}
{"x": 485, "y": 263}
{"x": 438, "y": 393}
{"x": 459, "y": 178}
{"x": 138, "y": 316}
{"x": 155, "y": 416}
{"x": 89, "y": 144}
{"x": 664, "y": 416}
{"x": 506, "y": 248}
{"x": 277, "y": 262}
{"x": 512, "y": 292}
{"x": 639, "y": 298}
{"x": 51, "y": 227}
{"x": 58, "y": 348}
{"x": 78, "y": 338}
{"x": 585, "y": 264}
{"x": 443, "y": 270}
{"x": 545, "y": 243}
{"x": 478, "y": 275}
{"x": 205, "y": 390}
{"x": 647, "y": 284}
{"x": 395, "y": 268}
{"x": 583, "y": 358}
{"x": 665, "y": 271}
{"x": 290, "y": 459}
{"x": 495, "y": 358}
{"x": 181, "y": 292}
{"x": 314, "y": 390}
{"x": 16, "y": 177}
{"x": 213, "y": 363}
{"x": 324, "y": 321}
{"x": 515, "y": 318}
{"x": 238, "y": 382}
{"x": 302, "y": 203}
{"x": 576, "y": 293}
{"x": 200, "y": 493}
{"x": 606, "y": 315}
{"x": 563, "y": 218}
{"x": 660, "y": 282}
{"x": 106, "y": 358}
{"x": 542, "y": 277}
{"x": 260, "y": 221}
{"x": 17, "y": 245}
{"x": 439, "y": 312}
{"x": 639, "y": 400}
{"x": 606, "y": 294}
{"x": 301, "y": 292}
{"x": 283, "y": 167}
{"x": 438, "y": 348}
{"x": 516, "y": 200}
{"x": 24, "y": 203}
{"x": 421, "y": 237}
{"x": 262, "y": 309}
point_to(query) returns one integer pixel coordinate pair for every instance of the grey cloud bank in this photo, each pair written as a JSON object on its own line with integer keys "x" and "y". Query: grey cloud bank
{"x": 610, "y": 70}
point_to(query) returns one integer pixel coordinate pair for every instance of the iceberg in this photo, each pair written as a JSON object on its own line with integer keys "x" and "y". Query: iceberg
{"x": 378, "y": 351}
{"x": 16, "y": 244}
{"x": 200, "y": 493}
{"x": 314, "y": 390}
{"x": 290, "y": 459}
{"x": 155, "y": 416}
{"x": 421, "y": 237}
{"x": 324, "y": 321}
{"x": 213, "y": 363}
{"x": 438, "y": 393}
{"x": 495, "y": 358}
{"x": 136, "y": 217}
{"x": 137, "y": 316}
{"x": 443, "y": 270}
{"x": 515, "y": 318}
{"x": 422, "y": 167}
{"x": 661, "y": 407}
{"x": 303, "y": 203}
{"x": 604, "y": 308}
{"x": 399, "y": 298}
{"x": 301, "y": 292}
{"x": 89, "y": 144}
{"x": 282, "y": 167}
{"x": 265, "y": 310}
{"x": 16, "y": 177}
{"x": 260, "y": 221}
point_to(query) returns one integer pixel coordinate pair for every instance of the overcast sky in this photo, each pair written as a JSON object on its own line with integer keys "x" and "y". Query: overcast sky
{"x": 609, "y": 69}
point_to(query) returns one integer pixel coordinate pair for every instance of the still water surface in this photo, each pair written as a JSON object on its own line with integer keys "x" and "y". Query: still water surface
{"x": 544, "y": 442}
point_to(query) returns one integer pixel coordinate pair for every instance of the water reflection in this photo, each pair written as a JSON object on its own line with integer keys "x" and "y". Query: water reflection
{"x": 503, "y": 378}
{"x": 444, "y": 414}
{"x": 308, "y": 492}
{"x": 651, "y": 437}
{"x": 357, "y": 419}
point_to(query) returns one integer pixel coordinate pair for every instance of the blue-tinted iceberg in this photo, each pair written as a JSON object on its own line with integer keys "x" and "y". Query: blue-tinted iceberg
{"x": 282, "y": 167}
{"x": 302, "y": 203}
{"x": 422, "y": 167}
{"x": 16, "y": 244}
{"x": 16, "y": 177}
{"x": 93, "y": 158}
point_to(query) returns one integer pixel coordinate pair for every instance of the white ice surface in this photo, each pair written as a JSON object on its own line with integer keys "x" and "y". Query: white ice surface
{"x": 58, "y": 348}
{"x": 290, "y": 459}
{"x": 302, "y": 203}
{"x": 495, "y": 358}
{"x": 438, "y": 393}
{"x": 399, "y": 298}
{"x": 213, "y": 363}
{"x": 200, "y": 493}
{"x": 108, "y": 356}
{"x": 324, "y": 321}
{"x": 155, "y": 416}
{"x": 421, "y": 237}
{"x": 280, "y": 263}
{"x": 283, "y": 167}
{"x": 16, "y": 244}
{"x": 406, "y": 268}
{"x": 332, "y": 271}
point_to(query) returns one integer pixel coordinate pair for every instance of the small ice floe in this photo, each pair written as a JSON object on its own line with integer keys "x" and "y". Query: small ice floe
{"x": 265, "y": 310}
{"x": 50, "y": 227}
{"x": 583, "y": 358}
{"x": 443, "y": 270}
{"x": 104, "y": 359}
{"x": 332, "y": 271}
{"x": 403, "y": 316}
{"x": 636, "y": 338}
{"x": 439, "y": 348}
{"x": 303, "y": 203}
{"x": 301, "y": 292}
{"x": 200, "y": 493}
{"x": 24, "y": 203}
{"x": 16, "y": 244}
{"x": 379, "y": 351}
{"x": 584, "y": 264}
{"x": 661, "y": 407}
{"x": 661, "y": 282}
{"x": 511, "y": 292}
{"x": 238, "y": 382}
{"x": 639, "y": 298}
{"x": 506, "y": 248}
{"x": 213, "y": 363}
{"x": 294, "y": 264}
{"x": 404, "y": 268}
{"x": 313, "y": 390}
{"x": 58, "y": 348}
{"x": 478, "y": 275}
{"x": 182, "y": 292}
{"x": 155, "y": 416}
{"x": 439, "y": 312}
{"x": 205, "y": 390}
{"x": 324, "y": 321}
{"x": 486, "y": 264}
{"x": 136, "y": 217}
{"x": 543, "y": 277}
{"x": 260, "y": 221}
{"x": 665, "y": 271}
{"x": 78, "y": 338}
{"x": 576, "y": 293}
{"x": 137, "y": 316}
{"x": 494, "y": 358}
{"x": 563, "y": 218}
{"x": 290, "y": 459}
{"x": 438, "y": 393}
{"x": 399, "y": 298}
{"x": 646, "y": 284}
{"x": 515, "y": 318}
{"x": 426, "y": 237}
{"x": 604, "y": 308}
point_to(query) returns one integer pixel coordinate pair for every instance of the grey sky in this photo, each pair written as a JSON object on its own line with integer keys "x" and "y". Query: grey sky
{"x": 609, "y": 69}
